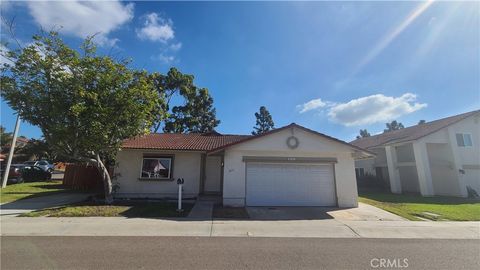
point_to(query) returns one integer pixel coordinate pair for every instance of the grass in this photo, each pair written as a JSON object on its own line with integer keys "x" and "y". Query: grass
{"x": 119, "y": 209}
{"x": 28, "y": 190}
{"x": 414, "y": 206}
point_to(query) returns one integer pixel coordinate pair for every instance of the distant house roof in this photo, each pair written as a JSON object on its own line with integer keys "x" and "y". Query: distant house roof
{"x": 410, "y": 133}
{"x": 209, "y": 142}
{"x": 186, "y": 142}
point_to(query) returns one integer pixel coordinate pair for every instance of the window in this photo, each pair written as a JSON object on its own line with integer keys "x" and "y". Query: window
{"x": 157, "y": 167}
{"x": 464, "y": 139}
{"x": 359, "y": 172}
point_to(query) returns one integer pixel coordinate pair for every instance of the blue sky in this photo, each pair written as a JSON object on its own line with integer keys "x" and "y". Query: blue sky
{"x": 334, "y": 67}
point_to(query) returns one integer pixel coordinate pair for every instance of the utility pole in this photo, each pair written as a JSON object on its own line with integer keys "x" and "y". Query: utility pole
{"x": 10, "y": 155}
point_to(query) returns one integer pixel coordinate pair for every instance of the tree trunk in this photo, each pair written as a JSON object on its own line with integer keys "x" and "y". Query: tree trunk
{"x": 107, "y": 181}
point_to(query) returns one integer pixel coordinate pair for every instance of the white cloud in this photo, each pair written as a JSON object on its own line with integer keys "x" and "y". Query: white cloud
{"x": 374, "y": 109}
{"x": 164, "y": 58}
{"x": 176, "y": 46}
{"x": 82, "y": 18}
{"x": 156, "y": 28}
{"x": 313, "y": 104}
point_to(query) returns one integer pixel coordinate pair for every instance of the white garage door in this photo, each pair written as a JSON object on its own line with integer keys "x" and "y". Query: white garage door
{"x": 273, "y": 184}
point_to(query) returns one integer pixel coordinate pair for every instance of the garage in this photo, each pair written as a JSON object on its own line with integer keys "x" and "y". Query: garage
{"x": 290, "y": 184}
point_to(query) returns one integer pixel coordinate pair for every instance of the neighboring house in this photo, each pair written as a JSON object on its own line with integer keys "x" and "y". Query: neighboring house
{"x": 289, "y": 166}
{"x": 17, "y": 157}
{"x": 441, "y": 157}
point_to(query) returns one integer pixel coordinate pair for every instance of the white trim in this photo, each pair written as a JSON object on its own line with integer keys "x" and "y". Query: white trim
{"x": 463, "y": 138}
{"x": 157, "y": 158}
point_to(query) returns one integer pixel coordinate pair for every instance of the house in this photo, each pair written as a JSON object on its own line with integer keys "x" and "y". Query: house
{"x": 441, "y": 157}
{"x": 289, "y": 166}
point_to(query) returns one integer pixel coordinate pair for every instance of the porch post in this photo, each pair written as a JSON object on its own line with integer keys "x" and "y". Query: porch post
{"x": 423, "y": 168}
{"x": 203, "y": 159}
{"x": 457, "y": 165}
{"x": 393, "y": 174}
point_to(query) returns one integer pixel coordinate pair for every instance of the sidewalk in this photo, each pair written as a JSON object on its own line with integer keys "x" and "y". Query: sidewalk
{"x": 328, "y": 228}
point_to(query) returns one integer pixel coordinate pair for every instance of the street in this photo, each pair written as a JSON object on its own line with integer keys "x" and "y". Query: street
{"x": 102, "y": 252}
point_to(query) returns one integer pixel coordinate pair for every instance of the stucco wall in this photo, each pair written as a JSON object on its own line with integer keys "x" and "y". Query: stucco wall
{"x": 469, "y": 157}
{"x": 185, "y": 165}
{"x": 409, "y": 179}
{"x": 367, "y": 164}
{"x": 370, "y": 165}
{"x": 444, "y": 178}
{"x": 405, "y": 153}
{"x": 274, "y": 145}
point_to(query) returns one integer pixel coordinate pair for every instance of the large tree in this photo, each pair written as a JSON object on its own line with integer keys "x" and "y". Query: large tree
{"x": 197, "y": 116}
{"x": 264, "y": 121}
{"x": 363, "y": 134}
{"x": 421, "y": 122}
{"x": 394, "y": 125}
{"x": 193, "y": 110}
{"x": 85, "y": 104}
{"x": 170, "y": 85}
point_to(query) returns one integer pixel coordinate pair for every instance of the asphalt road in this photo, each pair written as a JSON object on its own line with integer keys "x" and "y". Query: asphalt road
{"x": 235, "y": 253}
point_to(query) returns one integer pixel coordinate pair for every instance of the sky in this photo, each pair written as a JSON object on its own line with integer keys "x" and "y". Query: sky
{"x": 335, "y": 67}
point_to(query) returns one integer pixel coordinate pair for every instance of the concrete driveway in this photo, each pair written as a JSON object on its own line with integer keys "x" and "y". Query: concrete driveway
{"x": 363, "y": 212}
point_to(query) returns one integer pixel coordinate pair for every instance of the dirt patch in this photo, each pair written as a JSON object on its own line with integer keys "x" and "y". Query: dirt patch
{"x": 220, "y": 211}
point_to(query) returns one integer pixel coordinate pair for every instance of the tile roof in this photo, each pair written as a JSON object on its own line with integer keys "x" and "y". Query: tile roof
{"x": 289, "y": 126}
{"x": 187, "y": 142}
{"x": 210, "y": 142}
{"x": 410, "y": 133}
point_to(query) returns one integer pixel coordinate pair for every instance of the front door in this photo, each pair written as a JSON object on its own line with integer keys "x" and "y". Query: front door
{"x": 213, "y": 174}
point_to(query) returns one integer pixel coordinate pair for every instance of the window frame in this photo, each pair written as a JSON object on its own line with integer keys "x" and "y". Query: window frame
{"x": 156, "y": 156}
{"x": 463, "y": 135}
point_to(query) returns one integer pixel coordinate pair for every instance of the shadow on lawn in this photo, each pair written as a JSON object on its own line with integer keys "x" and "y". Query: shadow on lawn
{"x": 416, "y": 198}
{"x": 128, "y": 209}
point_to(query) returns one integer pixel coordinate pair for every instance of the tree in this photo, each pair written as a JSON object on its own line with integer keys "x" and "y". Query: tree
{"x": 5, "y": 138}
{"x": 174, "y": 83}
{"x": 264, "y": 121}
{"x": 394, "y": 125}
{"x": 363, "y": 134}
{"x": 198, "y": 115}
{"x": 39, "y": 149}
{"x": 421, "y": 122}
{"x": 84, "y": 104}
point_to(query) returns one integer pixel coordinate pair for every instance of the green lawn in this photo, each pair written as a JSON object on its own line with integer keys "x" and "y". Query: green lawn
{"x": 412, "y": 206}
{"x": 119, "y": 209}
{"x": 28, "y": 190}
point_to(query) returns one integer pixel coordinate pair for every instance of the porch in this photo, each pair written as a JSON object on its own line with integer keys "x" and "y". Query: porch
{"x": 423, "y": 167}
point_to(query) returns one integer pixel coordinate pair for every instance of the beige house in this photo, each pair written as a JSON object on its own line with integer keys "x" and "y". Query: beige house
{"x": 289, "y": 166}
{"x": 441, "y": 157}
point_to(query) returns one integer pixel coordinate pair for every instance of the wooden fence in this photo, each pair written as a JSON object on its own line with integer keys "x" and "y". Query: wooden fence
{"x": 83, "y": 177}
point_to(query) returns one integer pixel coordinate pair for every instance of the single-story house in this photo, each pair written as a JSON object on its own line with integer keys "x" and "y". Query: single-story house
{"x": 288, "y": 166}
{"x": 441, "y": 157}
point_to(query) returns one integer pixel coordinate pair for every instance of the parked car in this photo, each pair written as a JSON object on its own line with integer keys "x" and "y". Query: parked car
{"x": 15, "y": 176}
{"x": 42, "y": 164}
{"x": 35, "y": 173}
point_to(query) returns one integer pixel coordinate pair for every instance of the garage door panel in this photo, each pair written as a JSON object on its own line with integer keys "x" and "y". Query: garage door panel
{"x": 290, "y": 185}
